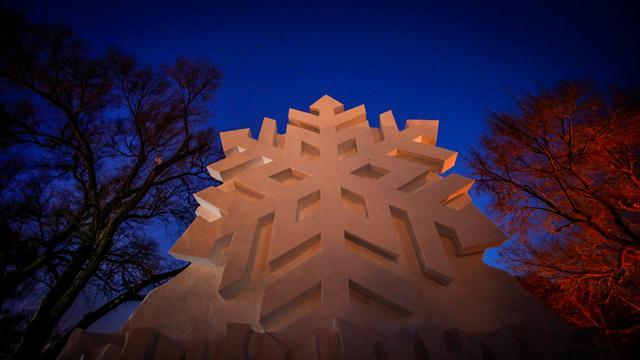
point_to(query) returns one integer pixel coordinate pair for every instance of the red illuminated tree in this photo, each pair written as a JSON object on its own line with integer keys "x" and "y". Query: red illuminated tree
{"x": 563, "y": 172}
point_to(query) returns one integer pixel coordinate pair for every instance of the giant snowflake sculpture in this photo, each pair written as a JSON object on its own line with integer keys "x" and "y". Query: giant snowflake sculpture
{"x": 334, "y": 240}
{"x": 330, "y": 204}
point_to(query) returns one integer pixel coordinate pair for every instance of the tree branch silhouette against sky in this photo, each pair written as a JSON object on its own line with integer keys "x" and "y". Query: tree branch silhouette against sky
{"x": 453, "y": 61}
{"x": 563, "y": 176}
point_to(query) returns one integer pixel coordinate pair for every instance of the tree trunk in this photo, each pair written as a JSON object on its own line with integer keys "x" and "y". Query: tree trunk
{"x": 132, "y": 294}
{"x": 54, "y": 305}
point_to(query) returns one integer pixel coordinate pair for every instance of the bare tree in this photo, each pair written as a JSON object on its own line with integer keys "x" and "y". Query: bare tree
{"x": 563, "y": 172}
{"x": 99, "y": 148}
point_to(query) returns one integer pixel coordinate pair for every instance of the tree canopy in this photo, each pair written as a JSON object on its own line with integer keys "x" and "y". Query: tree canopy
{"x": 96, "y": 147}
{"x": 563, "y": 173}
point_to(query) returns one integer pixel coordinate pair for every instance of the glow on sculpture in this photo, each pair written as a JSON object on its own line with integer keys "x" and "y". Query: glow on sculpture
{"x": 334, "y": 240}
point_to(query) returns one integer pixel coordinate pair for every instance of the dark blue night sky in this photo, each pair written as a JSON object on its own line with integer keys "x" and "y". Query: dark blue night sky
{"x": 452, "y": 61}
{"x": 449, "y": 60}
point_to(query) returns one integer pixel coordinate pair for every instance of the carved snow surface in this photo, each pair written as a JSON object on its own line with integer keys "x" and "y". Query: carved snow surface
{"x": 332, "y": 227}
{"x": 314, "y": 166}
